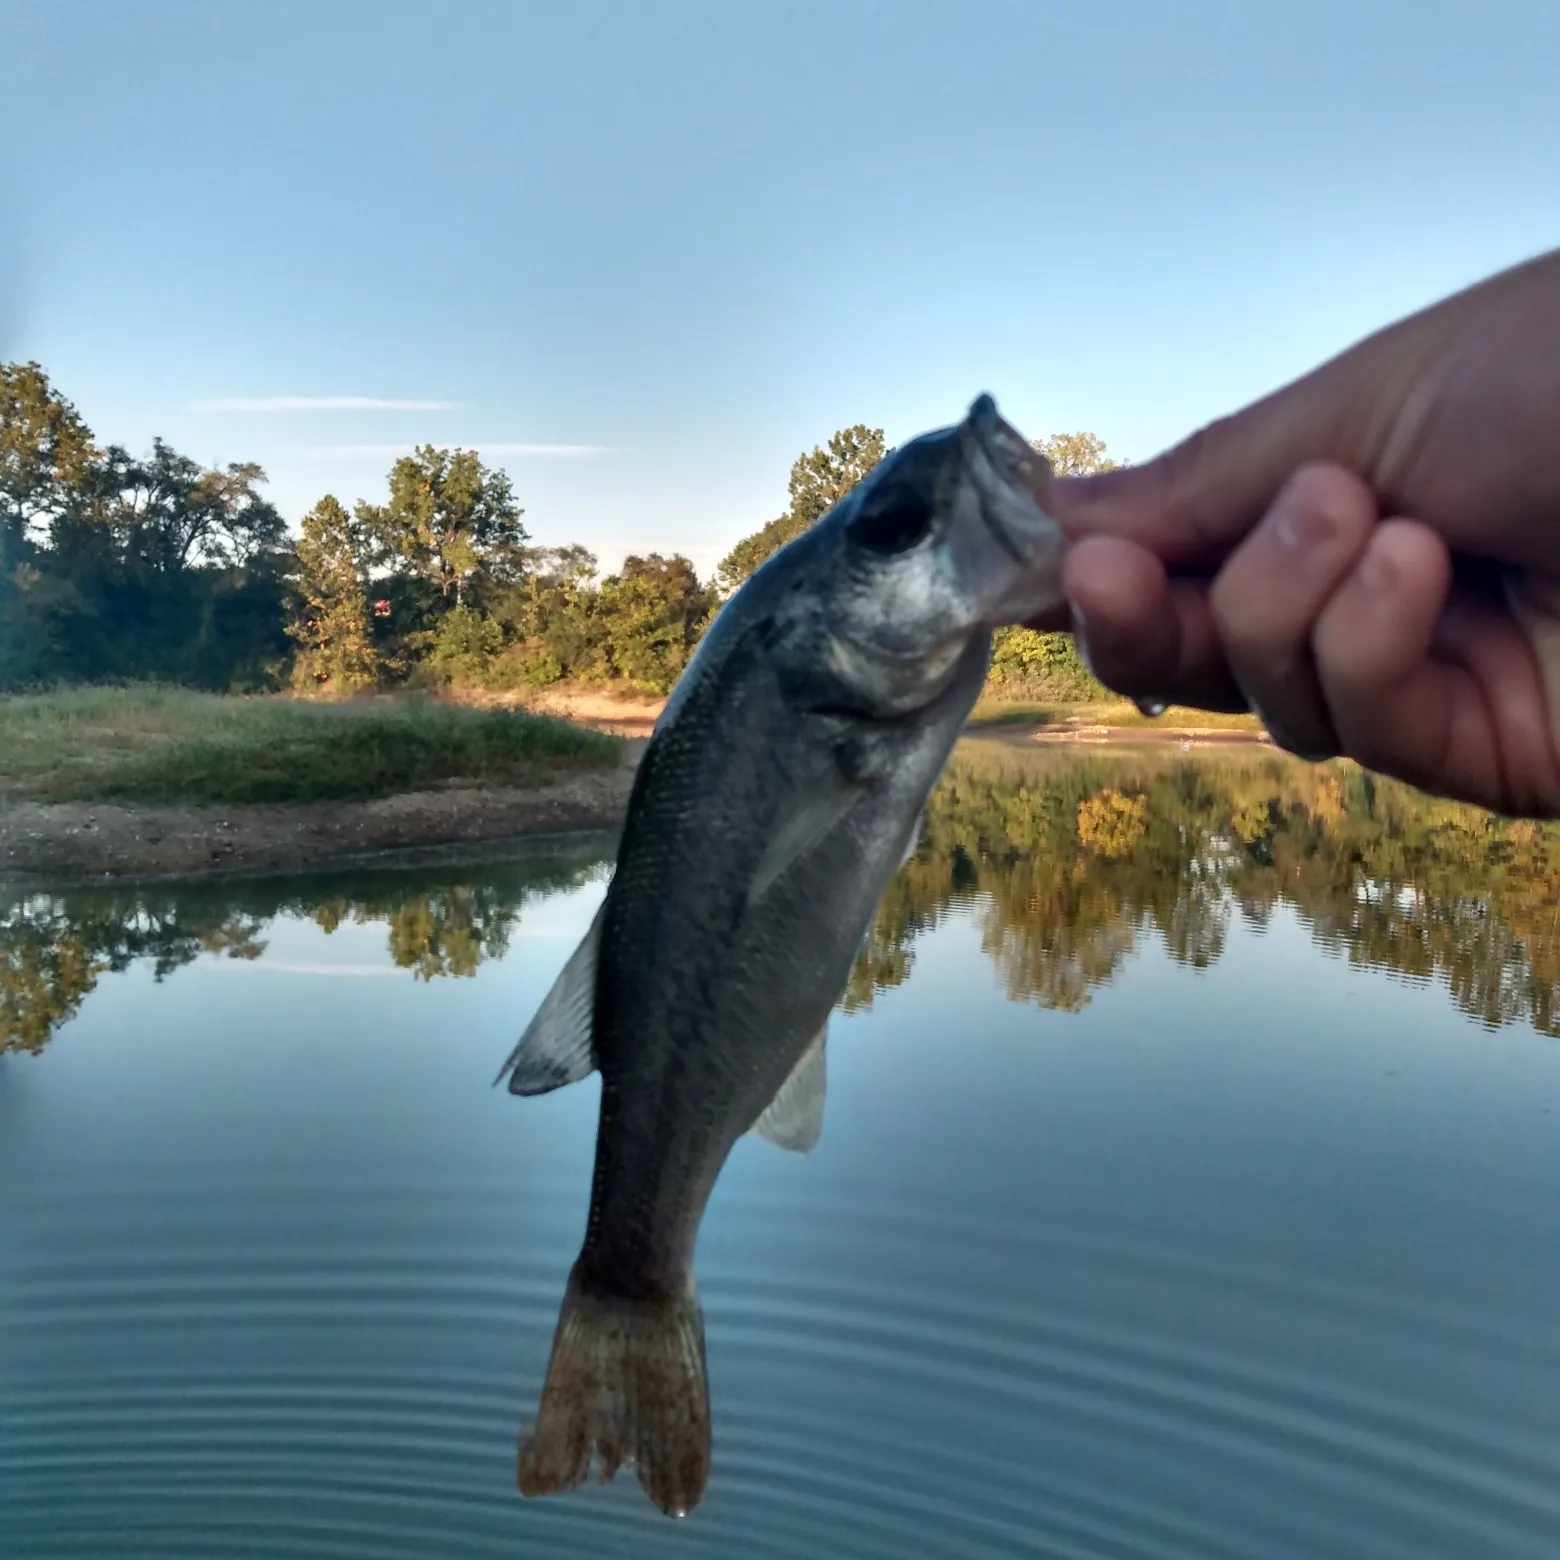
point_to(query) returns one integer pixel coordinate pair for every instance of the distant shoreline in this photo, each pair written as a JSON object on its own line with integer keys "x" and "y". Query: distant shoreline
{"x": 1116, "y": 736}
{"x": 79, "y": 843}
{"x": 1017, "y": 720}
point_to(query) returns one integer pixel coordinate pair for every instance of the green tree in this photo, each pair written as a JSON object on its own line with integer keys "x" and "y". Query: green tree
{"x": 112, "y": 565}
{"x": 549, "y": 616}
{"x": 820, "y": 478}
{"x": 448, "y": 520}
{"x": 36, "y": 611}
{"x": 465, "y": 647}
{"x": 46, "y": 453}
{"x": 651, "y": 613}
{"x": 178, "y": 572}
{"x": 167, "y": 513}
{"x": 331, "y": 624}
{"x": 46, "y": 456}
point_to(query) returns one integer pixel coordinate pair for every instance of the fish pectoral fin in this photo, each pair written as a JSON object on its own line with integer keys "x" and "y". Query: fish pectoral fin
{"x": 793, "y": 1119}
{"x": 802, "y": 831}
{"x": 556, "y": 1048}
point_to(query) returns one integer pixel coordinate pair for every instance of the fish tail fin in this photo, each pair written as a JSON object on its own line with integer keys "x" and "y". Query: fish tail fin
{"x": 626, "y": 1383}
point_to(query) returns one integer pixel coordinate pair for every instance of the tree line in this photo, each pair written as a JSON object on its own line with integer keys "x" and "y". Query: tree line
{"x": 121, "y": 566}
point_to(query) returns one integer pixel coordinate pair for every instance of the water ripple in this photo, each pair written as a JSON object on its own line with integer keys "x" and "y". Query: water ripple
{"x": 414, "y": 1454}
{"x": 221, "y": 1355}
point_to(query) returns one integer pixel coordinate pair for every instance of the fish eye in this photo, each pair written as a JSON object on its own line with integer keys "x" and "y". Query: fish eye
{"x": 897, "y": 508}
{"x": 893, "y": 523}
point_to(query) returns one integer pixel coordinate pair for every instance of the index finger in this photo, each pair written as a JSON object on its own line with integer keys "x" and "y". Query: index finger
{"x": 1363, "y": 409}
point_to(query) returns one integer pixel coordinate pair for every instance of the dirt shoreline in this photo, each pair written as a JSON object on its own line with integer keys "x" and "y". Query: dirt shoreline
{"x": 59, "y": 844}
{"x": 83, "y": 842}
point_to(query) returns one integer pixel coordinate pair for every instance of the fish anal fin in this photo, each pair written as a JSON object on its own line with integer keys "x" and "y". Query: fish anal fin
{"x": 556, "y": 1048}
{"x": 793, "y": 1119}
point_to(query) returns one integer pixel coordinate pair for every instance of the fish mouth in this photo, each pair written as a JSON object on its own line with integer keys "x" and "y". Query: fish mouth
{"x": 1008, "y": 464}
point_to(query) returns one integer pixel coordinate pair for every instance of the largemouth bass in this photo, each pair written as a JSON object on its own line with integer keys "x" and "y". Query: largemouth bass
{"x": 779, "y": 793}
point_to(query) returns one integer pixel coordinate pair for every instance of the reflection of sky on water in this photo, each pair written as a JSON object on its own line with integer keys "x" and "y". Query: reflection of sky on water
{"x": 1251, "y": 1260}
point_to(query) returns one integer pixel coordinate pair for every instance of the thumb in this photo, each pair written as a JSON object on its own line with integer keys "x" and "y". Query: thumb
{"x": 1358, "y": 410}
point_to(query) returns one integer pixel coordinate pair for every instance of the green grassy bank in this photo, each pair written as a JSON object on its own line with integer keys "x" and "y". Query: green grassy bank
{"x": 155, "y": 744}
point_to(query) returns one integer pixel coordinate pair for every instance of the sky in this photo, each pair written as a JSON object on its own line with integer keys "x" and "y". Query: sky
{"x": 642, "y": 255}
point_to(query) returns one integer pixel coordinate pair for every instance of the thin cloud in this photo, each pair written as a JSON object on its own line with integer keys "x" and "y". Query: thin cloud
{"x": 395, "y": 451}
{"x": 322, "y": 403}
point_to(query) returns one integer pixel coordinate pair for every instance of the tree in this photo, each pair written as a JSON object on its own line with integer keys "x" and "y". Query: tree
{"x": 168, "y": 513}
{"x": 331, "y": 623}
{"x": 549, "y": 615}
{"x": 175, "y": 571}
{"x": 46, "y": 452}
{"x": 112, "y": 565}
{"x": 448, "y": 519}
{"x": 1074, "y": 454}
{"x": 651, "y": 613}
{"x": 820, "y": 478}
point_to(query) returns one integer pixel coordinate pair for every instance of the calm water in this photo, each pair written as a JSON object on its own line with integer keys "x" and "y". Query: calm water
{"x": 1188, "y": 1190}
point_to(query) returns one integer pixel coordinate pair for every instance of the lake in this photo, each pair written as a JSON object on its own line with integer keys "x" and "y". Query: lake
{"x": 1189, "y": 1189}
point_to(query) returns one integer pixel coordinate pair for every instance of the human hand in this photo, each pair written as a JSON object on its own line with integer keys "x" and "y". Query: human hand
{"x": 1369, "y": 558}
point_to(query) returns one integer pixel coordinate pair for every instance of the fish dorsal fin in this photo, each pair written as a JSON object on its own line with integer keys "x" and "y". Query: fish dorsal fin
{"x": 802, "y": 831}
{"x": 556, "y": 1048}
{"x": 793, "y": 1119}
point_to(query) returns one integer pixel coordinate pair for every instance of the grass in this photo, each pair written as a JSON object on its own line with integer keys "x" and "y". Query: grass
{"x": 994, "y": 711}
{"x": 152, "y": 744}
{"x": 141, "y": 743}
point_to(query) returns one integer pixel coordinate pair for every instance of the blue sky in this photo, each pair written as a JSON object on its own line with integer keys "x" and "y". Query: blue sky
{"x": 643, "y": 254}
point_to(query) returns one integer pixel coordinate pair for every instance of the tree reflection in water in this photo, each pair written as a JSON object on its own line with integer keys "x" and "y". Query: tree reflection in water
{"x": 1072, "y": 861}
{"x": 53, "y": 947}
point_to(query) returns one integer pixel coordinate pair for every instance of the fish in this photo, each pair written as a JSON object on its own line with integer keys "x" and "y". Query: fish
{"x": 780, "y": 791}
